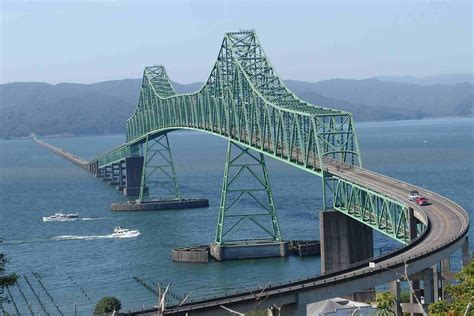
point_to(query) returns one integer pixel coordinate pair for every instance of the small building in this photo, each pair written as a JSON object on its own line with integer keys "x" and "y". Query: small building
{"x": 338, "y": 306}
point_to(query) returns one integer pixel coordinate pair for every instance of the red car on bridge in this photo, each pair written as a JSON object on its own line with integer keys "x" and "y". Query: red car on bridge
{"x": 422, "y": 201}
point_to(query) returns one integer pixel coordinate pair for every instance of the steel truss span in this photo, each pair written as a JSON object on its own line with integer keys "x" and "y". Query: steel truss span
{"x": 245, "y": 101}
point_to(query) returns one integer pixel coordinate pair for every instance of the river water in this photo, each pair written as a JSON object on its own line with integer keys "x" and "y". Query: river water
{"x": 79, "y": 262}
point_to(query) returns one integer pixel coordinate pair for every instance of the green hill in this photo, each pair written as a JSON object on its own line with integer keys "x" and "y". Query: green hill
{"x": 103, "y": 107}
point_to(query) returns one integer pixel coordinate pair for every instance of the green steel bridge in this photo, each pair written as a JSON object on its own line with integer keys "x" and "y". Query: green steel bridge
{"x": 245, "y": 102}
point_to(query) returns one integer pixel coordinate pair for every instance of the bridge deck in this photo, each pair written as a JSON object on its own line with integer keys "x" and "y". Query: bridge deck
{"x": 447, "y": 224}
{"x": 74, "y": 159}
{"x": 244, "y": 101}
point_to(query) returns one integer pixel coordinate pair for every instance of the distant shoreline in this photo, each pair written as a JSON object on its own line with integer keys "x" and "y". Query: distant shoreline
{"x": 68, "y": 135}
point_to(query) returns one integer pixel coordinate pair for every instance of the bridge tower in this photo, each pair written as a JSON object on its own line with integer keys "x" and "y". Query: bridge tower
{"x": 158, "y": 173}
{"x": 246, "y": 198}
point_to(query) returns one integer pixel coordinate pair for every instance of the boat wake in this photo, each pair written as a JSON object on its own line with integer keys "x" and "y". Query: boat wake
{"x": 111, "y": 236}
{"x": 23, "y": 241}
{"x": 92, "y": 218}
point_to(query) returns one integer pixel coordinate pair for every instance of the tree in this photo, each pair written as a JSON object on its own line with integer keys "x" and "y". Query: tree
{"x": 107, "y": 305}
{"x": 6, "y": 280}
{"x": 385, "y": 301}
{"x": 439, "y": 308}
{"x": 461, "y": 293}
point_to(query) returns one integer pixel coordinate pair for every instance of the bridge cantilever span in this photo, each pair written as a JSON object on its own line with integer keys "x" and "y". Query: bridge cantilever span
{"x": 447, "y": 225}
{"x": 245, "y": 102}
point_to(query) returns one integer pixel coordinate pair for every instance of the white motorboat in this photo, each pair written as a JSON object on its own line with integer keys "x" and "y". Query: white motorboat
{"x": 61, "y": 217}
{"x": 124, "y": 232}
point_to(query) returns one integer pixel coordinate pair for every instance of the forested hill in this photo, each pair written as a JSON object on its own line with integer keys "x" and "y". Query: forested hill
{"x": 103, "y": 107}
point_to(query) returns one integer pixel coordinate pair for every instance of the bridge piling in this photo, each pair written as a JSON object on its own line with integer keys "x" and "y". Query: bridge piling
{"x": 435, "y": 282}
{"x": 121, "y": 176}
{"x": 100, "y": 172}
{"x": 428, "y": 286}
{"x": 345, "y": 241}
{"x": 395, "y": 290}
{"x": 133, "y": 175}
{"x": 107, "y": 173}
{"x": 445, "y": 277}
{"x": 115, "y": 174}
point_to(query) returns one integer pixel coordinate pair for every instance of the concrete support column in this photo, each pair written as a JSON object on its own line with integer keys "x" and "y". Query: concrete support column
{"x": 107, "y": 173}
{"x": 395, "y": 290}
{"x": 435, "y": 283}
{"x": 121, "y": 179}
{"x": 345, "y": 241}
{"x": 100, "y": 172}
{"x": 133, "y": 175}
{"x": 115, "y": 174}
{"x": 445, "y": 277}
{"x": 300, "y": 308}
{"x": 428, "y": 292}
{"x": 416, "y": 289}
{"x": 93, "y": 168}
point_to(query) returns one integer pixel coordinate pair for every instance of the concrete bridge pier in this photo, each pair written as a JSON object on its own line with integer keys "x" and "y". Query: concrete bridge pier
{"x": 424, "y": 284}
{"x": 345, "y": 241}
{"x": 107, "y": 173}
{"x": 416, "y": 285}
{"x": 446, "y": 276}
{"x": 121, "y": 176}
{"x": 100, "y": 172}
{"x": 115, "y": 174}
{"x": 133, "y": 175}
{"x": 436, "y": 283}
{"x": 395, "y": 290}
{"x": 428, "y": 286}
{"x": 93, "y": 168}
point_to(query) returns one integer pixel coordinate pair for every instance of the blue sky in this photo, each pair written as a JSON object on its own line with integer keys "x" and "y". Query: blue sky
{"x": 90, "y": 41}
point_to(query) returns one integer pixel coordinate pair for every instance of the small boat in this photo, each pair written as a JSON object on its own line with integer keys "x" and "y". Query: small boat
{"x": 124, "y": 232}
{"x": 61, "y": 217}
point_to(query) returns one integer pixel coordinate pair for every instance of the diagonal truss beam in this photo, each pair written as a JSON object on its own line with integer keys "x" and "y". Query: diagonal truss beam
{"x": 380, "y": 212}
{"x": 245, "y": 101}
{"x": 158, "y": 174}
{"x": 241, "y": 167}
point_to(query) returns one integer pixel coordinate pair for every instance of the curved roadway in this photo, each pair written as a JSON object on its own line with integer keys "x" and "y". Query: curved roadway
{"x": 446, "y": 225}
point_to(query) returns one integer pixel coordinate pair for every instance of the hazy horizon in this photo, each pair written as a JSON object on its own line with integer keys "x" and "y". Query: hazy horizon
{"x": 380, "y": 77}
{"x": 95, "y": 41}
